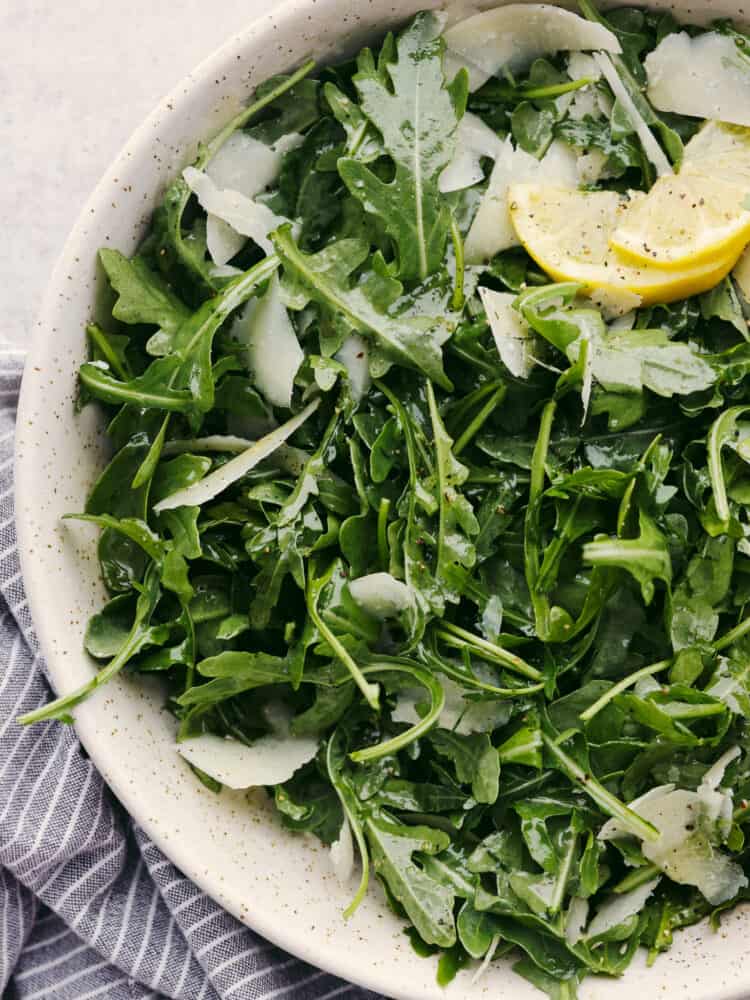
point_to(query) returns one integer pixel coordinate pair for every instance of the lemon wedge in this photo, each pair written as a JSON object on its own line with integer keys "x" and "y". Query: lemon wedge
{"x": 702, "y": 212}
{"x": 568, "y": 234}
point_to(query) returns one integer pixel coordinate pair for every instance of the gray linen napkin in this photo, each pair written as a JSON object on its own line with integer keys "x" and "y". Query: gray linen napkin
{"x": 89, "y": 906}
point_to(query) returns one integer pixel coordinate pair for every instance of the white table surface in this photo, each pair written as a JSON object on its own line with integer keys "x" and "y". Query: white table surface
{"x": 76, "y": 78}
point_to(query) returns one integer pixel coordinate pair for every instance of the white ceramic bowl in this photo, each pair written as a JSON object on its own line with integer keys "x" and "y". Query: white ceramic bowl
{"x": 277, "y": 883}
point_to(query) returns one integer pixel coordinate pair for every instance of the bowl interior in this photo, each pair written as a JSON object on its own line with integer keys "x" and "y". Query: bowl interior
{"x": 279, "y": 884}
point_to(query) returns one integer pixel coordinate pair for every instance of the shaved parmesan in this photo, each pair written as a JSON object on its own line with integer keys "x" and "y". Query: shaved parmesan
{"x": 271, "y": 760}
{"x": 248, "y": 166}
{"x": 510, "y": 331}
{"x": 590, "y": 166}
{"x": 575, "y": 919}
{"x": 512, "y": 37}
{"x": 458, "y": 10}
{"x": 487, "y": 960}
{"x": 705, "y": 76}
{"x": 245, "y": 166}
{"x": 492, "y": 229}
{"x": 585, "y": 104}
{"x": 474, "y": 140}
{"x": 715, "y": 774}
{"x": 464, "y": 717}
{"x": 615, "y": 910}
{"x": 342, "y": 854}
{"x": 381, "y": 595}
{"x": 354, "y": 355}
{"x": 624, "y": 322}
{"x": 222, "y": 241}
{"x": 651, "y": 147}
{"x": 581, "y": 65}
{"x": 481, "y": 716}
{"x": 614, "y": 302}
{"x": 272, "y": 350}
{"x": 691, "y": 827}
{"x": 405, "y": 709}
{"x": 213, "y": 484}
{"x": 244, "y": 215}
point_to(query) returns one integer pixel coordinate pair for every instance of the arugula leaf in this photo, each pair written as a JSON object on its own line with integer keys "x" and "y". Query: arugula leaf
{"x": 168, "y": 241}
{"x": 143, "y": 295}
{"x": 570, "y": 550}
{"x": 183, "y": 380}
{"x": 413, "y": 339}
{"x": 362, "y": 142}
{"x": 141, "y": 635}
{"x": 722, "y": 302}
{"x": 693, "y": 614}
{"x": 308, "y": 803}
{"x": 725, "y": 432}
{"x": 417, "y": 120}
{"x": 621, "y": 361}
{"x": 475, "y": 759}
{"x": 428, "y": 903}
{"x": 456, "y": 520}
{"x": 645, "y": 557}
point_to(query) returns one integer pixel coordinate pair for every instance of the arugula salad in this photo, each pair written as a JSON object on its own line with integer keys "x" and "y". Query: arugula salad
{"x": 428, "y": 393}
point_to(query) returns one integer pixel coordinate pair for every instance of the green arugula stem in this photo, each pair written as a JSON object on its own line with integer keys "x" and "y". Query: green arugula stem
{"x": 241, "y": 120}
{"x": 149, "y": 463}
{"x": 437, "y": 704}
{"x": 606, "y": 801}
{"x": 479, "y": 420}
{"x": 370, "y": 692}
{"x": 207, "y": 152}
{"x": 441, "y": 478}
{"x": 98, "y": 338}
{"x": 383, "y": 549}
{"x": 468, "y": 681}
{"x": 555, "y": 89}
{"x": 532, "y": 541}
{"x": 56, "y": 708}
{"x": 636, "y": 878}
{"x": 458, "y": 412}
{"x": 458, "y": 637}
{"x": 487, "y": 477}
{"x": 539, "y": 457}
{"x": 627, "y": 497}
{"x": 112, "y": 390}
{"x": 457, "y": 302}
{"x": 561, "y": 881}
{"x": 349, "y": 806}
{"x": 687, "y": 711}
{"x": 232, "y": 296}
{"x": 732, "y": 635}
{"x": 508, "y": 92}
{"x": 654, "y": 668}
{"x": 220, "y": 443}
{"x": 134, "y": 642}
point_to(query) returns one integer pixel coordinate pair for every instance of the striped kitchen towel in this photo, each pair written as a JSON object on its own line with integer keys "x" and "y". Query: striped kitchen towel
{"x": 89, "y": 907}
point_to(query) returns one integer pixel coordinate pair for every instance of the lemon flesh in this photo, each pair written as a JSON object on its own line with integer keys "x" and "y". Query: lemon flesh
{"x": 568, "y": 234}
{"x": 701, "y": 213}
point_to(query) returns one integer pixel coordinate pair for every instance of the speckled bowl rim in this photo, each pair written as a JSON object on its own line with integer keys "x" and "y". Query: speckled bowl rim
{"x": 693, "y": 969}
